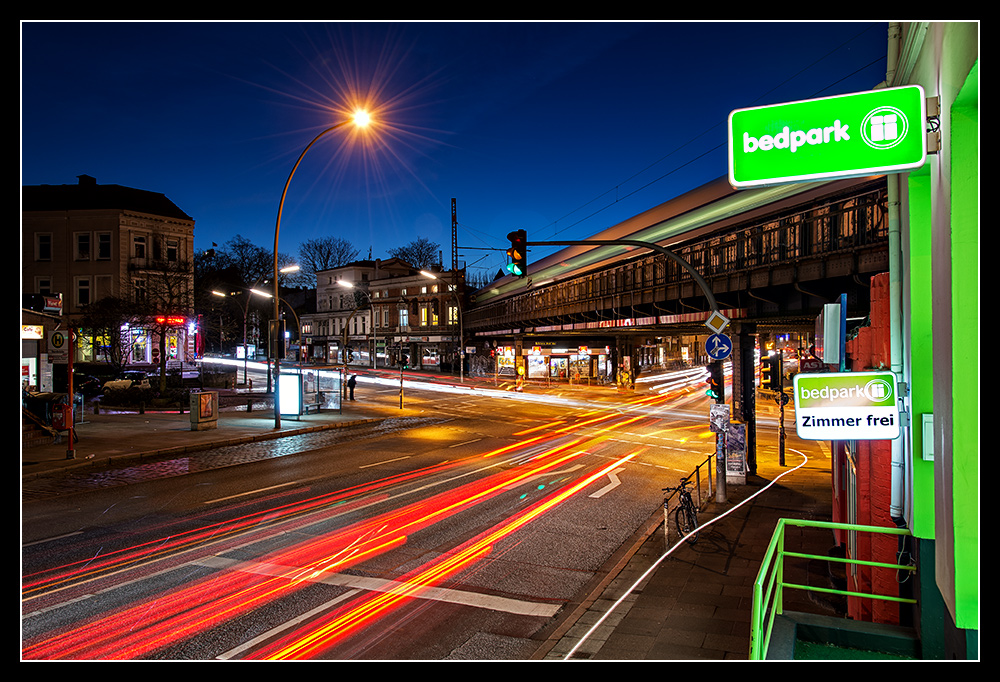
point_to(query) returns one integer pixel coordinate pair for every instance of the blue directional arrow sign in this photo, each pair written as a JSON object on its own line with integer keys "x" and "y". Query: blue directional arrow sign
{"x": 718, "y": 346}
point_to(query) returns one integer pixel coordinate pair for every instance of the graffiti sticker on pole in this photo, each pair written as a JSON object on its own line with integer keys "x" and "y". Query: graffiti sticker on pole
{"x": 846, "y": 406}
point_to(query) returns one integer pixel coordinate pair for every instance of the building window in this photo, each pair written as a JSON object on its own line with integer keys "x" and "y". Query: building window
{"x": 139, "y": 246}
{"x": 82, "y": 291}
{"x": 43, "y": 247}
{"x": 404, "y": 317}
{"x": 103, "y": 246}
{"x": 173, "y": 250}
{"x": 82, "y": 246}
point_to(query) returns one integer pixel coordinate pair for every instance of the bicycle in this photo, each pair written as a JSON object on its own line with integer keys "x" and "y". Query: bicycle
{"x": 686, "y": 513}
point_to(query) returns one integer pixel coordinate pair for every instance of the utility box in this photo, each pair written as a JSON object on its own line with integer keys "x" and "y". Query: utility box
{"x": 204, "y": 410}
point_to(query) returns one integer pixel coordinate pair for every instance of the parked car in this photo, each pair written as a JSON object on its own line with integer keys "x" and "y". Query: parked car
{"x": 128, "y": 380}
{"x": 86, "y": 385}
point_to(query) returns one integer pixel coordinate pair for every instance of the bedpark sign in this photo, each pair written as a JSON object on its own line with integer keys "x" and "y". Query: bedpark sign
{"x": 846, "y": 406}
{"x": 864, "y": 133}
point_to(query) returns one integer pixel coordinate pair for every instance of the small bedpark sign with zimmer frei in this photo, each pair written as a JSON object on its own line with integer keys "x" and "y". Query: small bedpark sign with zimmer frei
{"x": 846, "y": 406}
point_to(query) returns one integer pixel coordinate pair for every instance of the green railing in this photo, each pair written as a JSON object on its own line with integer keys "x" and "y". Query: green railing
{"x": 769, "y": 587}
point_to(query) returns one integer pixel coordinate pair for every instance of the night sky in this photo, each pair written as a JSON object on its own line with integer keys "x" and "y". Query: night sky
{"x": 561, "y": 129}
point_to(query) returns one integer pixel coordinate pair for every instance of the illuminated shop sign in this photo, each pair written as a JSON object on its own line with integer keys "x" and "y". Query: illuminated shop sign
{"x": 172, "y": 320}
{"x": 846, "y": 406}
{"x": 863, "y": 133}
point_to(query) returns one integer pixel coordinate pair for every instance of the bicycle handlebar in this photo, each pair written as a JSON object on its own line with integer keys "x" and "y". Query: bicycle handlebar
{"x": 684, "y": 482}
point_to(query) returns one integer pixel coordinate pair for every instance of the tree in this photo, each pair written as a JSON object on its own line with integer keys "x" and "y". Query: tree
{"x": 324, "y": 253}
{"x": 420, "y": 253}
{"x": 164, "y": 298}
{"x": 106, "y": 323}
{"x": 254, "y": 263}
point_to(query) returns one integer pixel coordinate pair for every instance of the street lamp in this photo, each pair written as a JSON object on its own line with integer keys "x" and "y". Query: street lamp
{"x": 461, "y": 331}
{"x": 360, "y": 119}
{"x": 350, "y": 285}
{"x": 246, "y": 309}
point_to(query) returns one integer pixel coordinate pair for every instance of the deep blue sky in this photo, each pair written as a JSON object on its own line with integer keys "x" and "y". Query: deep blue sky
{"x": 562, "y": 129}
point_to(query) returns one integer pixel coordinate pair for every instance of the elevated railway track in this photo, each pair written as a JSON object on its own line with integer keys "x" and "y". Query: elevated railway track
{"x": 771, "y": 257}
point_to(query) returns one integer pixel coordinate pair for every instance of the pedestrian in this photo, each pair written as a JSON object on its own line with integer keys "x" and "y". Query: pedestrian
{"x": 351, "y": 383}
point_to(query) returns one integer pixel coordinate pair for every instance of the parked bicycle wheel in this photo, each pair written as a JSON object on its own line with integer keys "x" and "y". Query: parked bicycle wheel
{"x": 686, "y": 519}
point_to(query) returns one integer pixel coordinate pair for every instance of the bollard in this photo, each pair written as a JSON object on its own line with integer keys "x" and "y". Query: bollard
{"x": 666, "y": 522}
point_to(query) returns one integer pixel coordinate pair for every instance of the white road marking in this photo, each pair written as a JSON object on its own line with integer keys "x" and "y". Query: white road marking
{"x": 365, "y": 466}
{"x": 483, "y": 601}
{"x": 615, "y": 482}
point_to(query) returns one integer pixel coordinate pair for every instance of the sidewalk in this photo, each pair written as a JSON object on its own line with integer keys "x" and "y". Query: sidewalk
{"x": 110, "y": 437}
{"x": 696, "y": 604}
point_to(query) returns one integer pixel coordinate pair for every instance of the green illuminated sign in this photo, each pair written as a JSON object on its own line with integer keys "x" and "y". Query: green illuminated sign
{"x": 864, "y": 133}
{"x": 846, "y": 406}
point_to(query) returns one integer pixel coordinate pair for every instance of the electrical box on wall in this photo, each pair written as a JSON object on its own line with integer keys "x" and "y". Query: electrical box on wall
{"x": 927, "y": 437}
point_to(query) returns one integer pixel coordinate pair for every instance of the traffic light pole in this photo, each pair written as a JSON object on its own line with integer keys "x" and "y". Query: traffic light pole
{"x": 781, "y": 403}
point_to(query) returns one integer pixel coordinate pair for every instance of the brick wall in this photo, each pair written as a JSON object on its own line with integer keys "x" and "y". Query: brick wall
{"x": 870, "y": 349}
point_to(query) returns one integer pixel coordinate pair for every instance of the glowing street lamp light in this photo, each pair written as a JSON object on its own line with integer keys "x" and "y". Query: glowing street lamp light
{"x": 360, "y": 119}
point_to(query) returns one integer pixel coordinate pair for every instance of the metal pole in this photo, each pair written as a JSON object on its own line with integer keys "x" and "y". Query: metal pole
{"x": 277, "y": 230}
{"x": 781, "y": 402}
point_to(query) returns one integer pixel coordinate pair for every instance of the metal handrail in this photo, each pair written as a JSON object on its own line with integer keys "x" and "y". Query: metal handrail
{"x": 770, "y": 583}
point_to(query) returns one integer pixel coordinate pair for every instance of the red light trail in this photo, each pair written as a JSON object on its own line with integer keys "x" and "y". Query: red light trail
{"x": 164, "y": 620}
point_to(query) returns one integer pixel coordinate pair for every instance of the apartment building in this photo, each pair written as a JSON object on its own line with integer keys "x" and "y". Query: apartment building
{"x": 87, "y": 241}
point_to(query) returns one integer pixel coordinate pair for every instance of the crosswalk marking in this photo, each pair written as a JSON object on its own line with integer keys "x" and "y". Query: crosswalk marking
{"x": 483, "y": 601}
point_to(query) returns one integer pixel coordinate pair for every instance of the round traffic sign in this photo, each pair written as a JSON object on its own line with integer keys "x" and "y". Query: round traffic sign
{"x": 718, "y": 346}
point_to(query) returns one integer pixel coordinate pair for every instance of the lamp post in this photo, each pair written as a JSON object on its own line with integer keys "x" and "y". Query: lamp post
{"x": 350, "y": 285}
{"x": 360, "y": 119}
{"x": 246, "y": 310}
{"x": 461, "y": 331}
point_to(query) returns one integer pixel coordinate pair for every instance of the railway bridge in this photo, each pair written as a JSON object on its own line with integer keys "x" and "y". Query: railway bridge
{"x": 772, "y": 257}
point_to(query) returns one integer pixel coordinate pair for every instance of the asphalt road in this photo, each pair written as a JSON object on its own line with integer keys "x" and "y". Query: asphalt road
{"x": 462, "y": 531}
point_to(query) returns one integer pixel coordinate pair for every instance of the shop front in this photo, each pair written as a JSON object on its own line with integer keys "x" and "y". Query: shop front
{"x": 555, "y": 360}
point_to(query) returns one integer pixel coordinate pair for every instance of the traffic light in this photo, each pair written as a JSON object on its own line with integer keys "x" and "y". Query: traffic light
{"x": 770, "y": 372}
{"x": 716, "y": 385}
{"x": 517, "y": 254}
